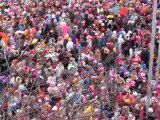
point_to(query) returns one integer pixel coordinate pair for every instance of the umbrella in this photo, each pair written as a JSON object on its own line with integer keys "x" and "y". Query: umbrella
{"x": 123, "y": 11}
{"x": 19, "y": 32}
{"x": 116, "y": 9}
{"x": 110, "y": 16}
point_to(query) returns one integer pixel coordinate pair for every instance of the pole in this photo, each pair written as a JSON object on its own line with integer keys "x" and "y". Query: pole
{"x": 158, "y": 62}
{"x": 151, "y": 55}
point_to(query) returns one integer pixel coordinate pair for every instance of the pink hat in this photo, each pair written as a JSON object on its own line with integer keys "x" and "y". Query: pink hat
{"x": 25, "y": 68}
{"x": 31, "y": 51}
{"x": 120, "y": 95}
{"x": 77, "y": 13}
{"x": 91, "y": 87}
{"x": 33, "y": 30}
{"x": 122, "y": 118}
{"x": 158, "y": 88}
{"x": 34, "y": 72}
{"x": 100, "y": 69}
{"x": 52, "y": 84}
{"x": 94, "y": 77}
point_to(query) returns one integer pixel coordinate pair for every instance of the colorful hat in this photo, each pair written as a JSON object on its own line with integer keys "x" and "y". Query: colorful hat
{"x": 66, "y": 36}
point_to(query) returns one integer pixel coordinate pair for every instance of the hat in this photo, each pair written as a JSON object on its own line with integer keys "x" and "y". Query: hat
{"x": 102, "y": 24}
{"x": 94, "y": 77}
{"x": 21, "y": 87}
{"x": 66, "y": 36}
{"x": 101, "y": 69}
{"x": 153, "y": 99}
{"x": 150, "y": 110}
{"x": 55, "y": 108}
{"x": 95, "y": 62}
{"x": 63, "y": 15}
{"x": 14, "y": 61}
{"x": 50, "y": 90}
{"x": 52, "y": 84}
{"x": 158, "y": 87}
{"x": 71, "y": 67}
{"x": 96, "y": 110}
{"x": 19, "y": 111}
{"x": 135, "y": 93}
{"x": 101, "y": 10}
{"x": 127, "y": 73}
{"x": 39, "y": 100}
{"x": 53, "y": 16}
{"x": 31, "y": 51}
{"x": 99, "y": 22}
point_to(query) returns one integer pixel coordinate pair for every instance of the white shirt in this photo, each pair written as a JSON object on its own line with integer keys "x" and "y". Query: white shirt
{"x": 89, "y": 42}
{"x": 69, "y": 45}
{"x": 59, "y": 69}
{"x": 120, "y": 40}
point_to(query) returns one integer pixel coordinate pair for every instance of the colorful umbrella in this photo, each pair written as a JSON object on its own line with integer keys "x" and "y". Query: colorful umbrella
{"x": 123, "y": 11}
{"x": 116, "y": 9}
{"x": 110, "y": 16}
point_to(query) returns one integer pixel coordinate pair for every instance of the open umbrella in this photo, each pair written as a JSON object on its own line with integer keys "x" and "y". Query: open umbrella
{"x": 110, "y": 16}
{"x": 116, "y": 9}
{"x": 19, "y": 32}
{"x": 123, "y": 11}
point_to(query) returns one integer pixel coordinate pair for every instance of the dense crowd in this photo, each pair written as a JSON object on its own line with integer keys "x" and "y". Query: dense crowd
{"x": 77, "y": 60}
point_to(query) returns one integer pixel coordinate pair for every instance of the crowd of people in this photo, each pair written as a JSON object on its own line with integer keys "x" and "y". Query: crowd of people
{"x": 77, "y": 60}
